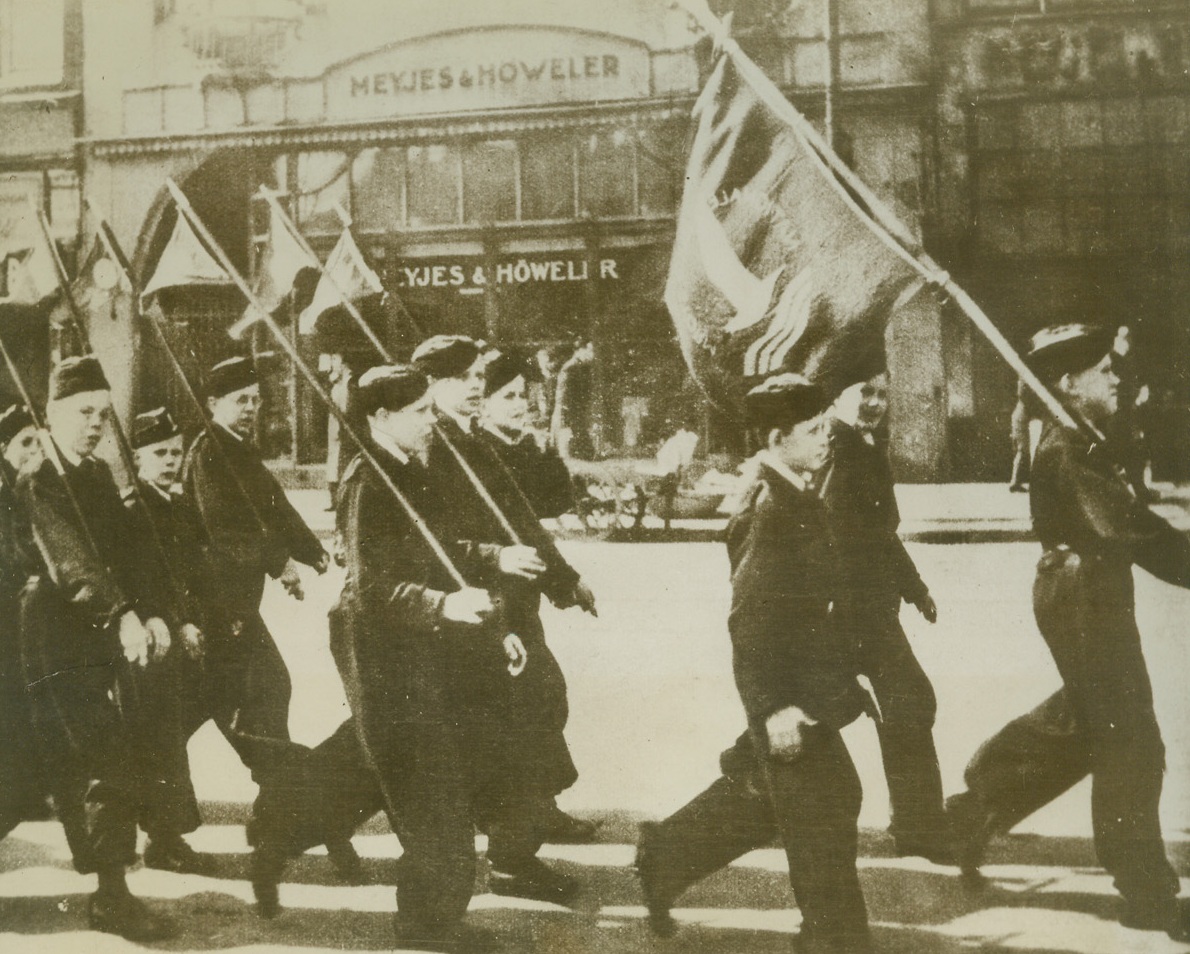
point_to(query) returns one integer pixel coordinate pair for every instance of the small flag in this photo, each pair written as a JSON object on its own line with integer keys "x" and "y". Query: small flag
{"x": 776, "y": 265}
{"x": 185, "y": 261}
{"x": 280, "y": 262}
{"x": 29, "y": 275}
{"x": 346, "y": 273}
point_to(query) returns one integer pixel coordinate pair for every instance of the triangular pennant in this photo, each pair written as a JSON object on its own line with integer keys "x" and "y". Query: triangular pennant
{"x": 281, "y": 260}
{"x": 30, "y": 275}
{"x": 185, "y": 261}
{"x": 347, "y": 274}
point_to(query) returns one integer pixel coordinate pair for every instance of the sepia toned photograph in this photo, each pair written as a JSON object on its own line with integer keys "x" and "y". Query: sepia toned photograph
{"x": 531, "y": 476}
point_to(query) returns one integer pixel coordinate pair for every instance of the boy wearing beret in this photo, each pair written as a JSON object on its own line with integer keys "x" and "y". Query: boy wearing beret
{"x": 84, "y": 615}
{"x": 790, "y": 773}
{"x": 1092, "y": 530}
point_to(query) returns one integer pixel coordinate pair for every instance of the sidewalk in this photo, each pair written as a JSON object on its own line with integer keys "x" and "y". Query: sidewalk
{"x": 930, "y": 513}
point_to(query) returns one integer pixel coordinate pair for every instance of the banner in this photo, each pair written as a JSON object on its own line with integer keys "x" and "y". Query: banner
{"x": 776, "y": 265}
{"x": 185, "y": 261}
{"x": 347, "y": 273}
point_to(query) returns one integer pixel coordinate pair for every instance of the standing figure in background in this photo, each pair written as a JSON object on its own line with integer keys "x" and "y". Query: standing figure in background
{"x": 539, "y": 471}
{"x": 1101, "y": 722}
{"x": 790, "y": 773}
{"x": 339, "y": 379}
{"x": 1022, "y": 449}
{"x": 22, "y": 790}
{"x": 574, "y": 408}
{"x": 878, "y": 575}
{"x": 89, "y": 631}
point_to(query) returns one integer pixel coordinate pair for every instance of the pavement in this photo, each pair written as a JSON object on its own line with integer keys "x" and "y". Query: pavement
{"x": 652, "y": 703}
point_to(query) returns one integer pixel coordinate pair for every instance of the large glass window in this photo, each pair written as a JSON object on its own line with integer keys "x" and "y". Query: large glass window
{"x": 378, "y": 189}
{"x": 433, "y": 183}
{"x": 547, "y": 178}
{"x": 660, "y": 165}
{"x": 32, "y": 35}
{"x": 607, "y": 174}
{"x": 490, "y": 181}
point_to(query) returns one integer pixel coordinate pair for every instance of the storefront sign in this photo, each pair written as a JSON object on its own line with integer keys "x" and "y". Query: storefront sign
{"x": 470, "y": 277}
{"x": 456, "y": 71}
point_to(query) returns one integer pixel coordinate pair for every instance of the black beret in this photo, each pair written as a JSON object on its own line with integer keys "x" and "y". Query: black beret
{"x": 389, "y": 386}
{"x": 152, "y": 427}
{"x": 1068, "y": 349}
{"x": 14, "y": 420}
{"x": 77, "y": 375}
{"x": 234, "y": 374}
{"x": 446, "y": 356}
{"x": 503, "y": 368}
{"x": 783, "y": 401}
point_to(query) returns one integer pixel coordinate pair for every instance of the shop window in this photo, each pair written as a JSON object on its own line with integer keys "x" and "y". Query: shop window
{"x": 32, "y": 37}
{"x": 660, "y": 163}
{"x": 547, "y": 178}
{"x": 490, "y": 181}
{"x": 607, "y": 174}
{"x": 433, "y": 184}
{"x": 323, "y": 187}
{"x": 378, "y": 189}
{"x": 64, "y": 204}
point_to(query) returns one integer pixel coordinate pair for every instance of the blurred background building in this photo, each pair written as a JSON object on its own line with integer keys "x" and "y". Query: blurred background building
{"x": 512, "y": 171}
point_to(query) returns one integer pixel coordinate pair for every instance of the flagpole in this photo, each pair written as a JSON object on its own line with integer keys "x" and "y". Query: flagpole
{"x": 883, "y": 223}
{"x": 183, "y": 204}
{"x": 114, "y": 249}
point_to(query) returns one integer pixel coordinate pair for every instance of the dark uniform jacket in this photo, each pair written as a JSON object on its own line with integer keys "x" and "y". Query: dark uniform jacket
{"x": 91, "y": 572}
{"x": 784, "y": 578}
{"x": 540, "y": 472}
{"x": 1079, "y": 501}
{"x": 406, "y": 669}
{"x": 479, "y": 523}
{"x": 252, "y": 526}
{"x": 863, "y": 513}
{"x": 169, "y": 520}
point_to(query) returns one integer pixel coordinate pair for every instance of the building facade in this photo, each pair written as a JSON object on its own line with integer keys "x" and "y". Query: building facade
{"x": 512, "y": 171}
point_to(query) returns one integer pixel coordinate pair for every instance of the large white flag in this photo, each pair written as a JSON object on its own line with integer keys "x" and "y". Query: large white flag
{"x": 185, "y": 261}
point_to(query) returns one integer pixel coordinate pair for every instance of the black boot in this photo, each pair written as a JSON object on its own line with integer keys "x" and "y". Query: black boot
{"x": 648, "y": 870}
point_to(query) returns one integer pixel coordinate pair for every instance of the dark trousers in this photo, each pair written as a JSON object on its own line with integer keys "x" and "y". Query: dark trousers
{"x": 1101, "y": 723}
{"x": 22, "y": 789}
{"x": 906, "y": 730}
{"x": 813, "y": 804}
{"x": 85, "y": 746}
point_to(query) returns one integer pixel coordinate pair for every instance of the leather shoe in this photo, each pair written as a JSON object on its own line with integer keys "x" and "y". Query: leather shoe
{"x": 174, "y": 854}
{"x": 934, "y": 848}
{"x": 345, "y": 860}
{"x": 1170, "y": 916}
{"x": 535, "y": 880}
{"x": 128, "y": 917}
{"x": 268, "y": 865}
{"x": 564, "y": 829}
{"x": 971, "y": 832}
{"x": 647, "y": 867}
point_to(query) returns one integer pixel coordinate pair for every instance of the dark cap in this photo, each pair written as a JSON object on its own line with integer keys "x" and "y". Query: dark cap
{"x": 77, "y": 375}
{"x": 152, "y": 427}
{"x": 446, "y": 356}
{"x": 783, "y": 401}
{"x": 1068, "y": 349}
{"x": 504, "y": 368}
{"x": 389, "y": 386}
{"x": 231, "y": 375}
{"x": 14, "y": 420}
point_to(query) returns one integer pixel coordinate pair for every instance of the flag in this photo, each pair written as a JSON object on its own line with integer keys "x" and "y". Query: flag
{"x": 30, "y": 275}
{"x": 282, "y": 258}
{"x": 777, "y": 265}
{"x": 346, "y": 273}
{"x": 185, "y": 261}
